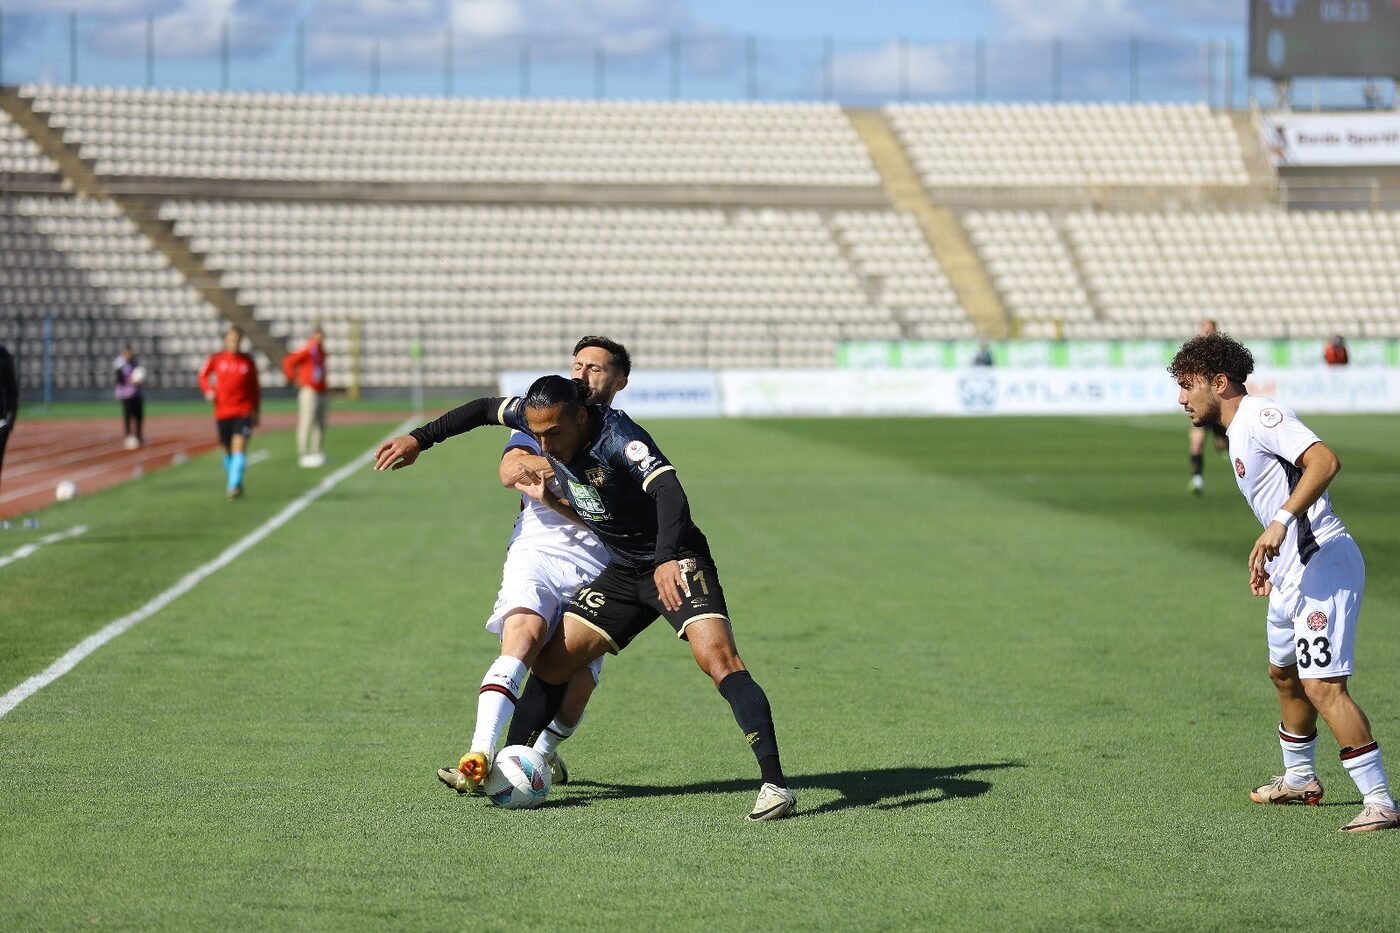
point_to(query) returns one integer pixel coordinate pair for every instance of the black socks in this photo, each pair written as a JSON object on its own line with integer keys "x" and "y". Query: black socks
{"x": 752, "y": 712}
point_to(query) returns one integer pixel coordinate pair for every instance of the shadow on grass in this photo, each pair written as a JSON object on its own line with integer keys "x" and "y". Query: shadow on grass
{"x": 880, "y": 788}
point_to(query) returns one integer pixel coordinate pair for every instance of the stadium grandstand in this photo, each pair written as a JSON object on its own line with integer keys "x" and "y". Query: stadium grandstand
{"x": 470, "y": 236}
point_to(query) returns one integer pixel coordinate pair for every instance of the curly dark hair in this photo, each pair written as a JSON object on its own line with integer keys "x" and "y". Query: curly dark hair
{"x": 1209, "y": 354}
{"x": 621, "y": 358}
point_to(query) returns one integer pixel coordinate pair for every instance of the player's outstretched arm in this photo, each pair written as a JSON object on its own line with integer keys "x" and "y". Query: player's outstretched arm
{"x": 519, "y": 465}
{"x": 399, "y": 452}
{"x": 536, "y": 486}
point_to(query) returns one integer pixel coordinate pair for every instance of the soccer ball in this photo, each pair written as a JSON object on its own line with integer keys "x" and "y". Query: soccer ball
{"x": 67, "y": 489}
{"x": 519, "y": 778}
{"x": 138, "y": 375}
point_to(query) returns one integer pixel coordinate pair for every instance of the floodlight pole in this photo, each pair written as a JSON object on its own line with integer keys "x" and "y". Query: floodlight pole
{"x": 903, "y": 68}
{"x": 979, "y": 60}
{"x": 448, "y": 62}
{"x": 150, "y": 51}
{"x": 1229, "y": 76}
{"x": 301, "y": 56}
{"x": 828, "y": 68}
{"x": 675, "y": 67}
{"x": 1134, "y": 53}
{"x": 224, "y": 55}
{"x": 72, "y": 48}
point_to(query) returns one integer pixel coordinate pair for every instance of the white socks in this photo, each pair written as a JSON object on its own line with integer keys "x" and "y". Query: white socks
{"x": 1368, "y": 771}
{"x": 554, "y": 733}
{"x": 1299, "y": 756}
{"x": 500, "y": 689}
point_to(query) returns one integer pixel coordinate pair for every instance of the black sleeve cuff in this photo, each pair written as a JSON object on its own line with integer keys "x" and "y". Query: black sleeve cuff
{"x": 475, "y": 414}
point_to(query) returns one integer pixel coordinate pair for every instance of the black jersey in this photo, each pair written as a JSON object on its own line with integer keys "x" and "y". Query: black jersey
{"x": 607, "y": 484}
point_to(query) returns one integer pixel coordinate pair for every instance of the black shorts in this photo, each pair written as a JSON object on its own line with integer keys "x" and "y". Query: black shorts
{"x": 228, "y": 427}
{"x": 622, "y": 602}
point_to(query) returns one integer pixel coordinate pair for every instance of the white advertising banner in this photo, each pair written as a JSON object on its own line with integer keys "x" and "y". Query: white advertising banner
{"x": 656, "y": 393}
{"x": 1305, "y": 139}
{"x": 982, "y": 391}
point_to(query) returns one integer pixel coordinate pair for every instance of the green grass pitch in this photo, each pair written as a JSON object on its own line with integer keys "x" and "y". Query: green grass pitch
{"x": 1017, "y": 676}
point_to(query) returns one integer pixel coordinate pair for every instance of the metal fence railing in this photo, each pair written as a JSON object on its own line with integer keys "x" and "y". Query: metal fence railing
{"x": 415, "y": 50}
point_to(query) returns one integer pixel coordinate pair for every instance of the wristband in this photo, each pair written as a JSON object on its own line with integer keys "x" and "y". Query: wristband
{"x": 1285, "y": 517}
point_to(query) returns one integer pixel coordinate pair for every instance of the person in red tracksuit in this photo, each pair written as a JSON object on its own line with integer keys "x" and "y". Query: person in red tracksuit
{"x": 306, "y": 369}
{"x": 230, "y": 380}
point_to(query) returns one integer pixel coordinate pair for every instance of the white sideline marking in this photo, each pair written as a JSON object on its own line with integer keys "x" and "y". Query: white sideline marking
{"x": 190, "y": 580}
{"x": 258, "y": 456}
{"x": 23, "y": 552}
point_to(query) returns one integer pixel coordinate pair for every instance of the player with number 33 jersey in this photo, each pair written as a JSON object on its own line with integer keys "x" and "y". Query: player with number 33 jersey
{"x": 1308, "y": 567}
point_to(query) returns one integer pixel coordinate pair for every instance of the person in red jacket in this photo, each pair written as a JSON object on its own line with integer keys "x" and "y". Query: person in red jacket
{"x": 306, "y": 369}
{"x": 230, "y": 380}
{"x": 1336, "y": 352}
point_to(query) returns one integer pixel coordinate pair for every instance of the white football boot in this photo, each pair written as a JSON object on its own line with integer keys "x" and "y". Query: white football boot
{"x": 773, "y": 803}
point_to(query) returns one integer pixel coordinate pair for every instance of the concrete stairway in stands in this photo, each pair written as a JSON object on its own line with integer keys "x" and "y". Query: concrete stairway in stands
{"x": 79, "y": 175}
{"x": 944, "y": 234}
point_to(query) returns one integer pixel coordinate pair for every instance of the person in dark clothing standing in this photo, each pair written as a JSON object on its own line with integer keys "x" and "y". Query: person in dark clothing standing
{"x": 9, "y": 399}
{"x": 131, "y": 375}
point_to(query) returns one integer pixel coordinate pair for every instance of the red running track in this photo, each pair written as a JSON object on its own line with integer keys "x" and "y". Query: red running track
{"x": 44, "y": 452}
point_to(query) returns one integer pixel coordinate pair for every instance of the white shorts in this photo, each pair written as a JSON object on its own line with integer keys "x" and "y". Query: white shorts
{"x": 1314, "y": 625}
{"x": 542, "y": 583}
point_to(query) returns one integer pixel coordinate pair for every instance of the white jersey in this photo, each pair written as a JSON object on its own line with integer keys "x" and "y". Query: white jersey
{"x": 1266, "y": 440}
{"x": 543, "y": 529}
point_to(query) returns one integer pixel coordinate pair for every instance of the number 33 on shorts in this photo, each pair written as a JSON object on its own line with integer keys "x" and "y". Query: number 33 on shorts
{"x": 1319, "y": 641}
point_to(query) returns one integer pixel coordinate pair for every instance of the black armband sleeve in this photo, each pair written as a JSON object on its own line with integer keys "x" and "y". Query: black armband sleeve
{"x": 672, "y": 515}
{"x": 475, "y": 414}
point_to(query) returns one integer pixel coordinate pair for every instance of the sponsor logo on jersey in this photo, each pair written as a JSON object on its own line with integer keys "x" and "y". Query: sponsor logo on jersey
{"x": 636, "y": 451}
{"x": 596, "y": 475}
{"x": 586, "y": 501}
{"x": 1317, "y": 621}
{"x": 1239, "y": 468}
{"x": 1270, "y": 417}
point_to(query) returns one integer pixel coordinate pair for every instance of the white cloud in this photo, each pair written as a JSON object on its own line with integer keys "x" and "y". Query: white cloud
{"x": 103, "y": 9}
{"x": 489, "y": 17}
{"x": 922, "y": 70}
{"x": 1067, "y": 19}
{"x": 194, "y": 28}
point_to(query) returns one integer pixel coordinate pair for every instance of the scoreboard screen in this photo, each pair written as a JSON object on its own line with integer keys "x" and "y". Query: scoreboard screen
{"x": 1324, "y": 38}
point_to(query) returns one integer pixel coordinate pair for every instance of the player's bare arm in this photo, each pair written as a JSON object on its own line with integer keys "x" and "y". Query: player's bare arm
{"x": 517, "y": 464}
{"x": 1319, "y": 465}
{"x": 397, "y": 453}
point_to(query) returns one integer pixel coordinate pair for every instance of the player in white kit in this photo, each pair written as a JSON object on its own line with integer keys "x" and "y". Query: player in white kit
{"x": 1305, "y": 563}
{"x": 549, "y": 559}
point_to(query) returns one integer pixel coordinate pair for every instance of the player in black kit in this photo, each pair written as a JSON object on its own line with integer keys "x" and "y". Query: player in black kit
{"x": 620, "y": 485}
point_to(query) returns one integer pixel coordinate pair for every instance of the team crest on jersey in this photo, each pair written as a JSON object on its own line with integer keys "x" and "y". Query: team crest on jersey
{"x": 1270, "y": 417}
{"x": 1239, "y": 468}
{"x": 596, "y": 475}
{"x": 636, "y": 451}
{"x": 1317, "y": 621}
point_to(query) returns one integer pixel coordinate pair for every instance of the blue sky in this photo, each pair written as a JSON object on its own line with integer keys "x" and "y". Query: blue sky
{"x": 616, "y": 48}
